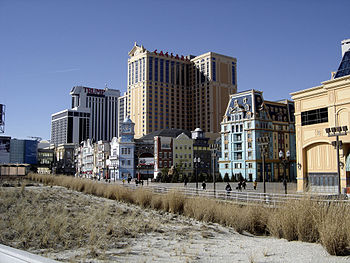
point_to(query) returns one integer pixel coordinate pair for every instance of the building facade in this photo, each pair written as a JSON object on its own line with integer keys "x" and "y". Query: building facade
{"x": 182, "y": 92}
{"x": 94, "y": 115}
{"x": 183, "y": 154}
{"x": 121, "y": 110}
{"x": 248, "y": 117}
{"x": 122, "y": 160}
{"x": 317, "y": 109}
{"x": 201, "y": 150}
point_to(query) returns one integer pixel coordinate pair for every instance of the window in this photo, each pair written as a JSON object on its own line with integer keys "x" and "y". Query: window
{"x": 150, "y": 68}
{"x": 167, "y": 71}
{"x": 213, "y": 70}
{"x": 161, "y": 70}
{"x": 233, "y": 73}
{"x": 156, "y": 69}
{"x": 129, "y": 162}
{"x": 314, "y": 116}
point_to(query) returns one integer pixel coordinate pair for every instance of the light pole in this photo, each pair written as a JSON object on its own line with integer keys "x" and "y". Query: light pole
{"x": 196, "y": 163}
{"x": 263, "y": 143}
{"x": 213, "y": 155}
{"x": 285, "y": 162}
{"x": 336, "y": 132}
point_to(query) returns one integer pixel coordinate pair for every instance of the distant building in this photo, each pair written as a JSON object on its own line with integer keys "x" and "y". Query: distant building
{"x": 64, "y": 159}
{"x": 122, "y": 102}
{"x": 163, "y": 148}
{"x": 102, "y": 155}
{"x": 182, "y": 92}
{"x": 248, "y": 116}
{"x": 23, "y": 151}
{"x": 122, "y": 157}
{"x": 183, "y": 154}
{"x": 5, "y": 143}
{"x": 94, "y": 115}
{"x": 201, "y": 150}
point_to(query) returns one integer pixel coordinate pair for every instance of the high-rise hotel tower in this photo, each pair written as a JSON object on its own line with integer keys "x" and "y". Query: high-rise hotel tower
{"x": 94, "y": 115}
{"x": 183, "y": 92}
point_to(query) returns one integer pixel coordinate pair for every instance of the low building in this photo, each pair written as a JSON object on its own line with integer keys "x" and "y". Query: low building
{"x": 183, "y": 155}
{"x": 121, "y": 160}
{"x": 102, "y": 155}
{"x": 317, "y": 109}
{"x": 247, "y": 118}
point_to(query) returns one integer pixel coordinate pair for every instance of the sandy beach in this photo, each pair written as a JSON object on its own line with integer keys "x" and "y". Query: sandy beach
{"x": 104, "y": 230}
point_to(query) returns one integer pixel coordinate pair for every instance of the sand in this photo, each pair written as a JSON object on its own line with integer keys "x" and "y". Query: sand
{"x": 145, "y": 235}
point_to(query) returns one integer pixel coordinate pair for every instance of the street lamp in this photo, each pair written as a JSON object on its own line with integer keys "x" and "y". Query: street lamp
{"x": 336, "y": 132}
{"x": 263, "y": 143}
{"x": 196, "y": 164}
{"x": 285, "y": 162}
{"x": 213, "y": 156}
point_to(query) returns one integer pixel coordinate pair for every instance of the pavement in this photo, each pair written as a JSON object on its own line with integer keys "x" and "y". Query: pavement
{"x": 271, "y": 187}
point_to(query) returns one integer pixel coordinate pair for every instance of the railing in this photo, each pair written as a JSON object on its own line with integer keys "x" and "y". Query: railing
{"x": 13, "y": 255}
{"x": 248, "y": 196}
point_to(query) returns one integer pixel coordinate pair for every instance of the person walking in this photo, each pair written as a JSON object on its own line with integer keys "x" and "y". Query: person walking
{"x": 239, "y": 187}
{"x": 204, "y": 185}
{"x": 185, "y": 181}
{"x": 244, "y": 184}
{"x": 255, "y": 184}
{"x": 228, "y": 189}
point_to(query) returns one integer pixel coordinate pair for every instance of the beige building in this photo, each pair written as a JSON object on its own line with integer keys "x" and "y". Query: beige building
{"x": 183, "y": 154}
{"x": 316, "y": 109}
{"x": 183, "y": 92}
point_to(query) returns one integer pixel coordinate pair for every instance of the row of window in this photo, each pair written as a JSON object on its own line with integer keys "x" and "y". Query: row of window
{"x": 126, "y": 150}
{"x": 137, "y": 71}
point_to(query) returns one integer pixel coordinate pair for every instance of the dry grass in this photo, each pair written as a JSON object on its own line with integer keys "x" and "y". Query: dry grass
{"x": 304, "y": 220}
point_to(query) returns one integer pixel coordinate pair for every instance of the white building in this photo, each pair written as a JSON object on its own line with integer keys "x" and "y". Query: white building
{"x": 87, "y": 168}
{"x": 94, "y": 115}
{"x": 122, "y": 101}
{"x": 121, "y": 160}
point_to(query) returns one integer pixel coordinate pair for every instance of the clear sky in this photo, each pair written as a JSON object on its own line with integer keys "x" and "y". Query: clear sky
{"x": 47, "y": 47}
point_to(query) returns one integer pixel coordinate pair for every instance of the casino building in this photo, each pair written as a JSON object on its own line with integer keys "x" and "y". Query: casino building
{"x": 94, "y": 115}
{"x": 318, "y": 109}
{"x": 180, "y": 92}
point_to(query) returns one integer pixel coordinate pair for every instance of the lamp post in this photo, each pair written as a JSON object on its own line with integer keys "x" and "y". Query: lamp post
{"x": 213, "y": 155}
{"x": 196, "y": 164}
{"x": 336, "y": 132}
{"x": 263, "y": 143}
{"x": 285, "y": 162}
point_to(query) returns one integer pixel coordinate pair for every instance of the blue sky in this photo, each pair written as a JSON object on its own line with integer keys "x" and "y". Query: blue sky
{"x": 47, "y": 47}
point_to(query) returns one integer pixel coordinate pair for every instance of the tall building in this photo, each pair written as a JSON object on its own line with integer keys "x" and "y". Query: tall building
{"x": 121, "y": 110}
{"x": 94, "y": 115}
{"x": 248, "y": 117}
{"x": 182, "y": 92}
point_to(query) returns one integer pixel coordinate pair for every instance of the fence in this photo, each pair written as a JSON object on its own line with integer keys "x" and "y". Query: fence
{"x": 243, "y": 197}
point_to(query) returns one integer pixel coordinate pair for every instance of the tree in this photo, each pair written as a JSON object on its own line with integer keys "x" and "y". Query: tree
{"x": 218, "y": 178}
{"x": 226, "y": 178}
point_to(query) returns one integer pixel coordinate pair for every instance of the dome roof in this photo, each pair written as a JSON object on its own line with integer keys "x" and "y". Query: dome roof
{"x": 127, "y": 120}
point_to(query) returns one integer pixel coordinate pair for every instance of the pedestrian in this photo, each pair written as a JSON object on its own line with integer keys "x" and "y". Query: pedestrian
{"x": 239, "y": 187}
{"x": 228, "y": 189}
{"x": 255, "y": 184}
{"x": 244, "y": 184}
{"x": 204, "y": 185}
{"x": 185, "y": 181}
{"x": 129, "y": 179}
